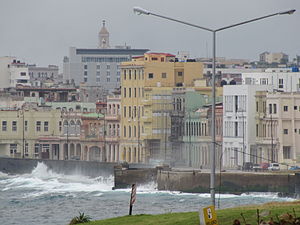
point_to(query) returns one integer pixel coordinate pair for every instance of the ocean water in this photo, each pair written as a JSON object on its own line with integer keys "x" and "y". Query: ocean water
{"x": 44, "y": 197}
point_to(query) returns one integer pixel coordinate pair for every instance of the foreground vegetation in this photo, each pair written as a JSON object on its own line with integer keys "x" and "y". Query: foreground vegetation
{"x": 225, "y": 216}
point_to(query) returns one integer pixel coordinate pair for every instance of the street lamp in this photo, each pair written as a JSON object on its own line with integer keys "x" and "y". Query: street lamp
{"x": 140, "y": 11}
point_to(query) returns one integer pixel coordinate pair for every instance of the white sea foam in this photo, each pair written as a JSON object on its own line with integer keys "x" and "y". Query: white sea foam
{"x": 3, "y": 175}
{"x": 42, "y": 181}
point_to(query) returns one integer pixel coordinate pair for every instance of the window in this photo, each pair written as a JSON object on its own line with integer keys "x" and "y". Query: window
{"x": 270, "y": 108}
{"x": 275, "y": 108}
{"x": 256, "y": 106}
{"x": 23, "y": 73}
{"x": 286, "y": 152}
{"x": 107, "y": 79}
{"x": 26, "y": 149}
{"x": 135, "y": 92}
{"x": 98, "y": 74}
{"x": 124, "y": 74}
{"x": 98, "y": 79}
{"x": 107, "y": 73}
{"x": 108, "y": 67}
{"x": 285, "y": 108}
{"x": 180, "y": 74}
{"x": 236, "y": 129}
{"x": 129, "y": 111}
{"x": 295, "y": 107}
{"x": 129, "y": 74}
{"x": 38, "y": 126}
{"x": 36, "y": 150}
{"x": 60, "y": 125}
{"x": 46, "y": 126}
{"x": 14, "y": 126}
{"x": 85, "y": 79}
{"x": 285, "y": 131}
{"x": 129, "y": 93}
{"x": 124, "y": 111}
{"x": 164, "y": 75}
{"x": 26, "y": 125}
{"x": 124, "y": 92}
{"x": 135, "y": 74}
{"x": 4, "y": 125}
{"x": 280, "y": 81}
{"x": 124, "y": 133}
{"x": 85, "y": 67}
{"x": 150, "y": 76}
{"x": 13, "y": 148}
{"x": 98, "y": 67}
{"x": 85, "y": 73}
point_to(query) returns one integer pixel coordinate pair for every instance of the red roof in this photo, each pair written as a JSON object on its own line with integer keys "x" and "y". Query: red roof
{"x": 157, "y": 53}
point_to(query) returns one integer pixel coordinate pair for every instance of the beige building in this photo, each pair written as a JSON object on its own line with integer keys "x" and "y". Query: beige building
{"x": 278, "y": 127}
{"x": 146, "y": 102}
{"x": 30, "y": 133}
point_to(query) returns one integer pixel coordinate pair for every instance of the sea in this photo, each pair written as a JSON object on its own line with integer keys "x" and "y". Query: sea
{"x": 44, "y": 197}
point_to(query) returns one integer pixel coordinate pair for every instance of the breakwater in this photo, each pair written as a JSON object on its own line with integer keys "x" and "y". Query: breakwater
{"x": 288, "y": 184}
{"x": 91, "y": 169}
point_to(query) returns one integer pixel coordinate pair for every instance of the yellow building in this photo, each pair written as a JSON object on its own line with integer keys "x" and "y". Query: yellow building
{"x": 147, "y": 83}
{"x": 30, "y": 133}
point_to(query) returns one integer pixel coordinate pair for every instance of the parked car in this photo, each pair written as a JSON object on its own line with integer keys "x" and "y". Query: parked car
{"x": 264, "y": 165}
{"x": 247, "y": 166}
{"x": 294, "y": 168}
{"x": 274, "y": 167}
{"x": 256, "y": 167}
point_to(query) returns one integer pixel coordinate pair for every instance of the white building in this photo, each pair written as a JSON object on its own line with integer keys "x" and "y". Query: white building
{"x": 239, "y": 124}
{"x": 280, "y": 79}
{"x": 38, "y": 75}
{"x": 13, "y": 73}
{"x": 99, "y": 66}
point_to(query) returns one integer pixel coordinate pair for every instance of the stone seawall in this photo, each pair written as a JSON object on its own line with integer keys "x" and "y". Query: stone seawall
{"x": 193, "y": 181}
{"x": 92, "y": 169}
{"x": 125, "y": 177}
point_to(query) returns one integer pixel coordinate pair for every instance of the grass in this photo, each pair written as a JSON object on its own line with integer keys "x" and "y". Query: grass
{"x": 225, "y": 216}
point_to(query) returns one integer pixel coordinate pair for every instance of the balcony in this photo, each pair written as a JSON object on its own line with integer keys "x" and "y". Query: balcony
{"x": 146, "y": 119}
{"x": 146, "y": 102}
{"x": 112, "y": 117}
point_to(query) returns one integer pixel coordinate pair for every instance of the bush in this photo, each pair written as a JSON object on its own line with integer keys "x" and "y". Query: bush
{"x": 80, "y": 219}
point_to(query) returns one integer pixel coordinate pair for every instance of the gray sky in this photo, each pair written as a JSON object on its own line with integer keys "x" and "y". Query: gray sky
{"x": 41, "y": 31}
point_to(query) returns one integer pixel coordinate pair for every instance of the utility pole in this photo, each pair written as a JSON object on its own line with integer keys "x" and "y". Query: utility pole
{"x": 23, "y": 133}
{"x": 272, "y": 149}
{"x": 190, "y": 141}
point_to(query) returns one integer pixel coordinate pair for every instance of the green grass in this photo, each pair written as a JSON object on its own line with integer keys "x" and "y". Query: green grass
{"x": 225, "y": 216}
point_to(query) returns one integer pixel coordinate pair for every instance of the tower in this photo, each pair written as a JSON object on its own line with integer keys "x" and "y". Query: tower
{"x": 103, "y": 37}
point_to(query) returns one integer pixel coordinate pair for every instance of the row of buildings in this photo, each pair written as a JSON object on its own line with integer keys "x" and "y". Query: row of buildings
{"x": 128, "y": 105}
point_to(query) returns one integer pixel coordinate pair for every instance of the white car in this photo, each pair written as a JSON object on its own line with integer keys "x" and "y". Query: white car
{"x": 274, "y": 167}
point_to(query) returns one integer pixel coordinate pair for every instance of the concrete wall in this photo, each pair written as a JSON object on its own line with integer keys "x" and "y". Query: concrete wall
{"x": 92, "y": 169}
{"x": 230, "y": 182}
{"x": 124, "y": 177}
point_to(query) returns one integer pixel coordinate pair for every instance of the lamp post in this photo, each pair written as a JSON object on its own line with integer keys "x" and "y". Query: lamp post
{"x": 140, "y": 11}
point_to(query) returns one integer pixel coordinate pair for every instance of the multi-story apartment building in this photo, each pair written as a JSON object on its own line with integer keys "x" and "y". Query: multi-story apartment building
{"x": 29, "y": 133}
{"x": 146, "y": 103}
{"x": 277, "y": 127}
{"x": 112, "y": 123}
{"x": 239, "y": 123}
{"x": 13, "y": 73}
{"x": 99, "y": 66}
{"x": 39, "y": 75}
{"x": 280, "y": 79}
{"x": 279, "y": 58}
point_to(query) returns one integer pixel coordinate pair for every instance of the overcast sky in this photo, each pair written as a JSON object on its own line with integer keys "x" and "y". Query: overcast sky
{"x": 41, "y": 31}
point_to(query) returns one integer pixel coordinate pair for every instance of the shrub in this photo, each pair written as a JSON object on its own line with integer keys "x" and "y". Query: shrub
{"x": 80, "y": 219}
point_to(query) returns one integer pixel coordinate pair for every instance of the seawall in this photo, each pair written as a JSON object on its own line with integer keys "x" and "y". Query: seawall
{"x": 193, "y": 181}
{"x": 92, "y": 169}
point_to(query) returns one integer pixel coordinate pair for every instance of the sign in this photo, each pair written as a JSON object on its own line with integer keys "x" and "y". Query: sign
{"x": 133, "y": 194}
{"x": 132, "y": 198}
{"x": 208, "y": 216}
